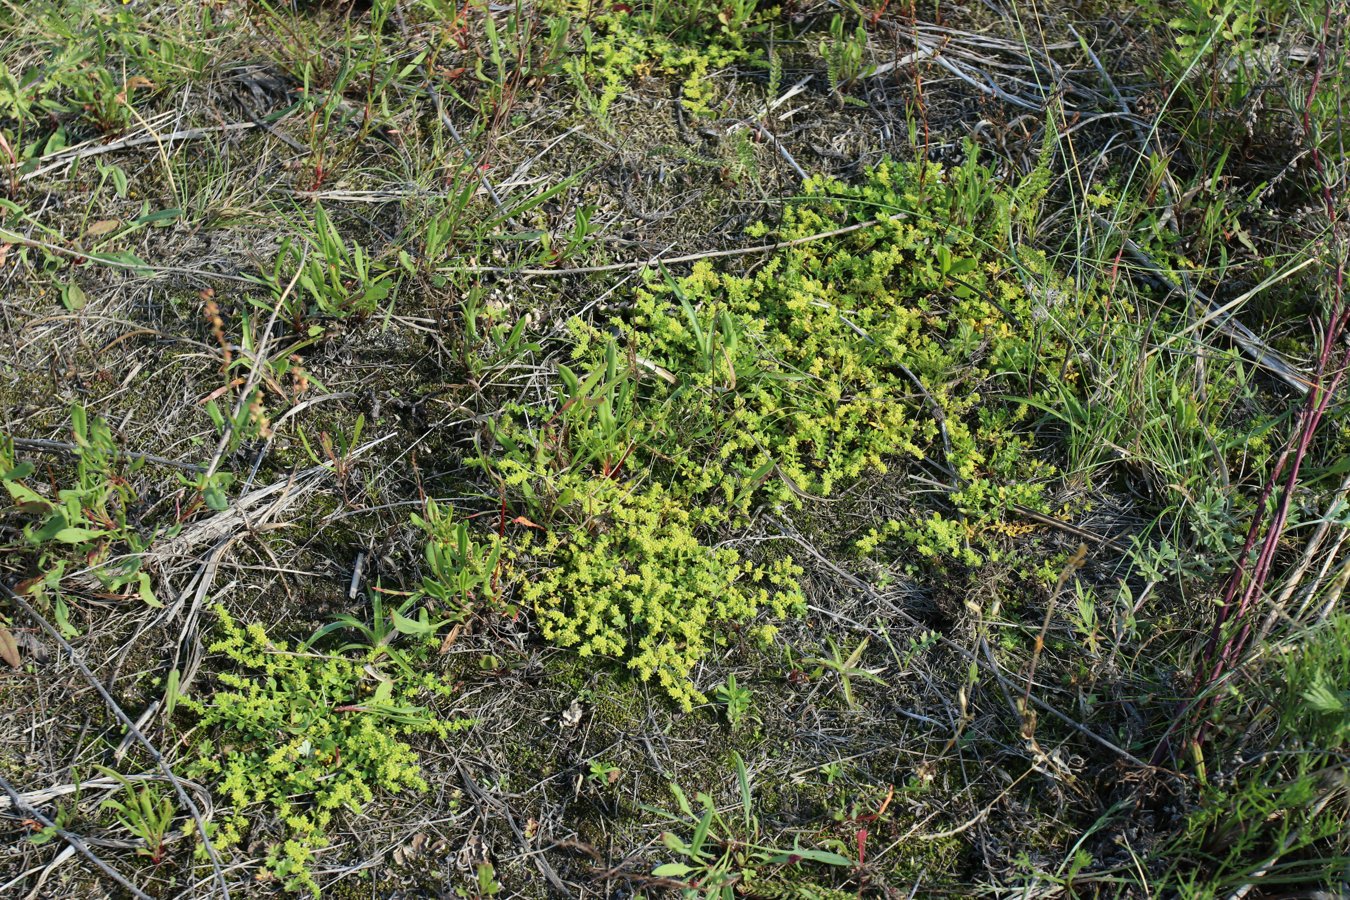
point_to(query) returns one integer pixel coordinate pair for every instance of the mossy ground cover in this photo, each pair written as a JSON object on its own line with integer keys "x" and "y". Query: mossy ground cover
{"x": 669, "y": 448}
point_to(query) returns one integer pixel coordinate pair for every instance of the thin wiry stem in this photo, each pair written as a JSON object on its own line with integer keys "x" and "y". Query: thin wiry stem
{"x": 1224, "y": 655}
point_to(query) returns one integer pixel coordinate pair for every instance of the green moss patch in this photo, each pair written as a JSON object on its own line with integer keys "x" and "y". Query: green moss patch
{"x": 300, "y": 736}
{"x": 893, "y": 325}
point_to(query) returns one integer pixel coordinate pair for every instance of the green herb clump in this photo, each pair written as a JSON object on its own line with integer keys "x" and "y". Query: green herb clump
{"x": 621, "y": 47}
{"x": 893, "y": 328}
{"x": 634, "y": 580}
{"x": 88, "y": 521}
{"x": 1280, "y": 803}
{"x": 841, "y": 355}
{"x": 300, "y": 736}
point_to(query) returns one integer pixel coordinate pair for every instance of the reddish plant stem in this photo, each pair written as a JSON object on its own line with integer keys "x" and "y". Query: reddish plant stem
{"x": 1242, "y": 589}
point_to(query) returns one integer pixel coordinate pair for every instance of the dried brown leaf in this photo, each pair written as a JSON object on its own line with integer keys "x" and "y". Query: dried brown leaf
{"x": 102, "y": 227}
{"x": 9, "y": 648}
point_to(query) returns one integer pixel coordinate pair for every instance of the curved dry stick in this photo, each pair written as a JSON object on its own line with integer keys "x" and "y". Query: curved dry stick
{"x": 72, "y": 839}
{"x": 122, "y": 717}
{"x": 42, "y": 445}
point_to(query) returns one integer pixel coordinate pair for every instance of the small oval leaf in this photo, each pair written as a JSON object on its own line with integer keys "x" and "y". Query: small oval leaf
{"x": 102, "y": 227}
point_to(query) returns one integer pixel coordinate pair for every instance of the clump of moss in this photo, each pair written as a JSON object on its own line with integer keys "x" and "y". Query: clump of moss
{"x": 634, "y": 580}
{"x": 300, "y": 736}
{"x": 621, "y": 46}
{"x": 844, "y": 354}
{"x": 901, "y": 309}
